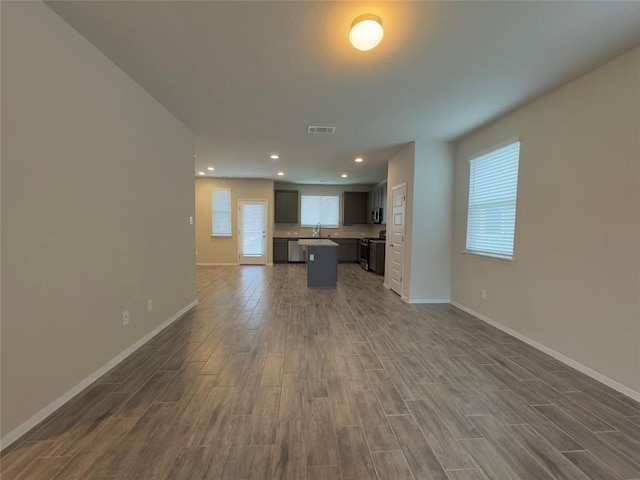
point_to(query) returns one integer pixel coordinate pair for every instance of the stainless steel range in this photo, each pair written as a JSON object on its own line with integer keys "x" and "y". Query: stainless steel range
{"x": 364, "y": 253}
{"x": 372, "y": 251}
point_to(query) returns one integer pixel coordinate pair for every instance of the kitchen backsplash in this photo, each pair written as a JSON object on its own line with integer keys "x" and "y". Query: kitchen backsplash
{"x": 345, "y": 231}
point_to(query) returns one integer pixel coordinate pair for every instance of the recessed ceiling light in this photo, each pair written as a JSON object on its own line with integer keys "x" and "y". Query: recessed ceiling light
{"x": 275, "y": 156}
{"x": 211, "y": 168}
{"x": 200, "y": 173}
{"x": 344, "y": 175}
{"x": 359, "y": 160}
{"x": 281, "y": 173}
{"x": 366, "y": 32}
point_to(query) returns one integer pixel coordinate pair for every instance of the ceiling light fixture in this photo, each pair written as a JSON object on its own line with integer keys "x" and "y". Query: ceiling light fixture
{"x": 211, "y": 168}
{"x": 344, "y": 175}
{"x": 200, "y": 173}
{"x": 366, "y": 32}
{"x": 275, "y": 157}
{"x": 281, "y": 173}
{"x": 359, "y": 160}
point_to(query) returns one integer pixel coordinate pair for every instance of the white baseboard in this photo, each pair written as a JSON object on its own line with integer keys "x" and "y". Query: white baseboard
{"x": 230, "y": 265}
{"x": 27, "y": 425}
{"x": 429, "y": 300}
{"x": 557, "y": 355}
{"x": 217, "y": 264}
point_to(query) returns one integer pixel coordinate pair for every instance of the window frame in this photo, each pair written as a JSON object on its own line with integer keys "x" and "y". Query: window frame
{"x": 337, "y": 225}
{"x": 501, "y": 257}
{"x": 229, "y": 212}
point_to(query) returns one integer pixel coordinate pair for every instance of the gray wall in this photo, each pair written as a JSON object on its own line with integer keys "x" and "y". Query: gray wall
{"x": 97, "y": 190}
{"x": 574, "y": 286}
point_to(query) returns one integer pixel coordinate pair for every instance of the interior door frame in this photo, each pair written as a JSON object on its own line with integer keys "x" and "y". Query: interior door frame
{"x": 404, "y": 226}
{"x": 263, "y": 259}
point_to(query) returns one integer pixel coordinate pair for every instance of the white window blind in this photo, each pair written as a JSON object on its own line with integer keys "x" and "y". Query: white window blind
{"x": 322, "y": 209}
{"x": 221, "y": 212}
{"x": 493, "y": 189}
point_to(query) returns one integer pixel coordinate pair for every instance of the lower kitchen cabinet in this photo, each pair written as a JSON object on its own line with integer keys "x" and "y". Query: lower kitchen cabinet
{"x": 280, "y": 250}
{"x": 376, "y": 256}
{"x": 347, "y": 249}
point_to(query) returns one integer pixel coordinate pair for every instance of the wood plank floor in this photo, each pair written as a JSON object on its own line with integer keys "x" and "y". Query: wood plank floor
{"x": 266, "y": 379}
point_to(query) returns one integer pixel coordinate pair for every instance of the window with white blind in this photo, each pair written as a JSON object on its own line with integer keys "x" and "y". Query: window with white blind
{"x": 493, "y": 191}
{"x": 221, "y": 212}
{"x": 322, "y": 209}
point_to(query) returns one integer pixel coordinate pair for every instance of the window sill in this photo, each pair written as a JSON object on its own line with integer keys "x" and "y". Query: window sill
{"x": 488, "y": 256}
{"x": 221, "y": 236}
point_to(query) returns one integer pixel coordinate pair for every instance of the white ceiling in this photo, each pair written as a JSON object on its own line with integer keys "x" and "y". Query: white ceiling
{"x": 249, "y": 77}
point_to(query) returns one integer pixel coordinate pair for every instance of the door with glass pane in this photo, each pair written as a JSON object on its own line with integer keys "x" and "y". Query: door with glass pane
{"x": 252, "y": 222}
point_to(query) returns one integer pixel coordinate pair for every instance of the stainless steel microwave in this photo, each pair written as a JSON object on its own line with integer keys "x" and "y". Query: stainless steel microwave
{"x": 376, "y": 215}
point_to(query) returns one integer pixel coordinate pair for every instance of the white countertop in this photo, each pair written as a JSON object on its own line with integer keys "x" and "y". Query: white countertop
{"x": 316, "y": 242}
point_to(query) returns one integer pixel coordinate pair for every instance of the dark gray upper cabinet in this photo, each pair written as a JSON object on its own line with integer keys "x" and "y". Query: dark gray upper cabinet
{"x": 286, "y": 206}
{"x": 354, "y": 208}
{"x": 377, "y": 198}
{"x": 383, "y": 203}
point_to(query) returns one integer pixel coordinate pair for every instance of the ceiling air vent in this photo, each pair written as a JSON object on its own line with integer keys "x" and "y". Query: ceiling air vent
{"x": 320, "y": 130}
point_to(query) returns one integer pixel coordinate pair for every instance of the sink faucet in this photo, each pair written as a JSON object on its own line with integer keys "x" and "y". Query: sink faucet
{"x": 317, "y": 232}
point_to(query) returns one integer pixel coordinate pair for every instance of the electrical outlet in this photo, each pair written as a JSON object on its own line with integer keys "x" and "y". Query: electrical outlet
{"x": 125, "y": 318}
{"x": 149, "y": 305}
{"x": 312, "y": 257}
{"x": 483, "y": 294}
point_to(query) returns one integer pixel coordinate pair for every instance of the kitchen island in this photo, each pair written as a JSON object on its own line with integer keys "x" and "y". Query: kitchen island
{"x": 321, "y": 259}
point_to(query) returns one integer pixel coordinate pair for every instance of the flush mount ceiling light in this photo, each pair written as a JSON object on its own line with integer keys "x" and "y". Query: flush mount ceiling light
{"x": 211, "y": 168}
{"x": 359, "y": 160}
{"x": 280, "y": 173}
{"x": 200, "y": 173}
{"x": 344, "y": 175}
{"x": 274, "y": 156}
{"x": 366, "y": 32}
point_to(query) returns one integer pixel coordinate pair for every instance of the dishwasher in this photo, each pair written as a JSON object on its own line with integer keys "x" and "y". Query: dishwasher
{"x": 296, "y": 252}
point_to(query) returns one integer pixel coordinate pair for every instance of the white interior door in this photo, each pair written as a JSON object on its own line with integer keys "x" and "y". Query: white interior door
{"x": 396, "y": 246}
{"x": 252, "y": 235}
